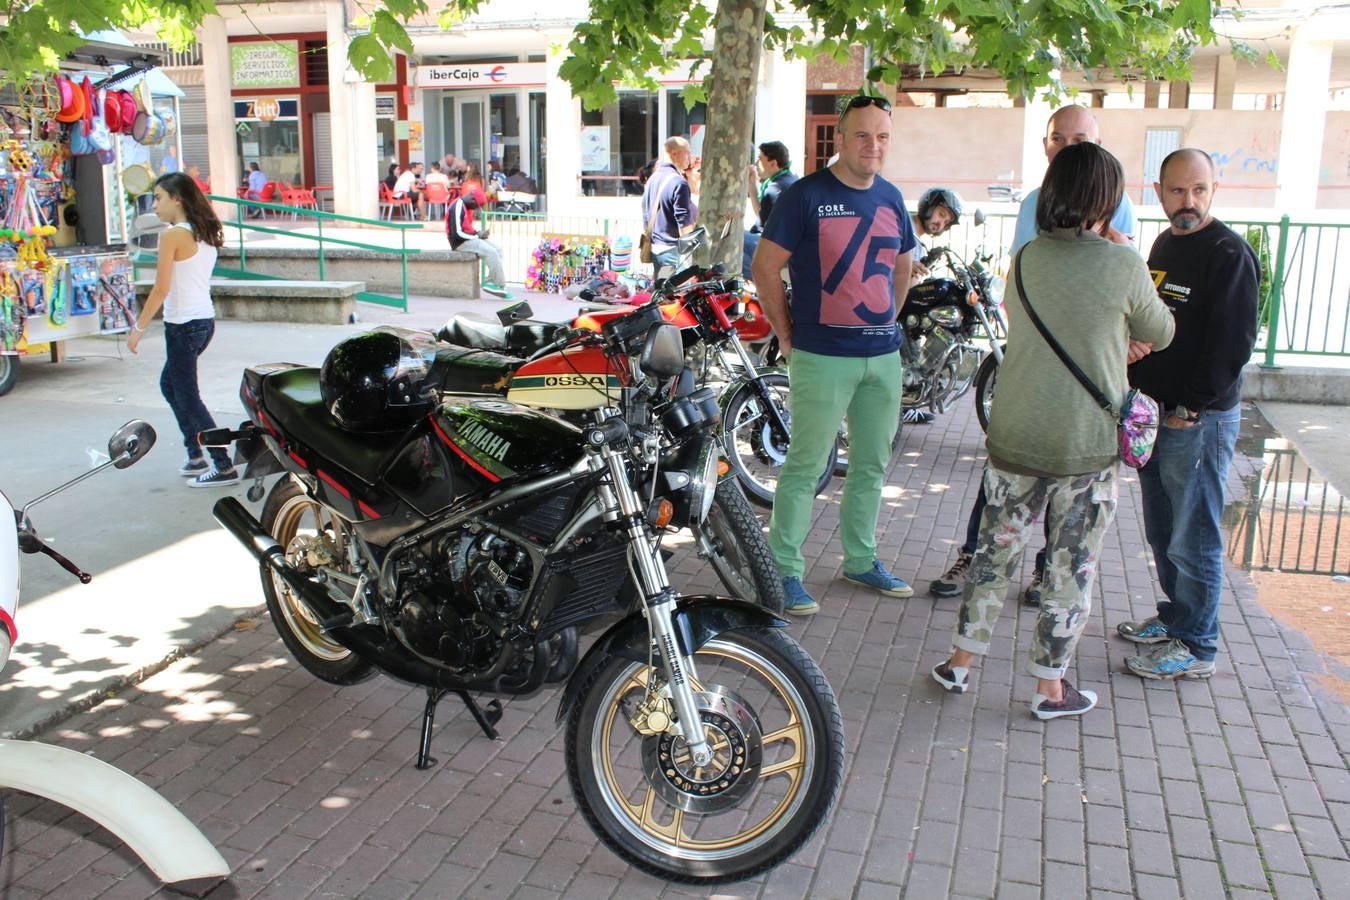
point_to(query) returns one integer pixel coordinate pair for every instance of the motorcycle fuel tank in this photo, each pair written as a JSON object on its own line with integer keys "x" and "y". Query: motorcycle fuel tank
{"x": 575, "y": 378}
{"x": 931, "y": 293}
{"x": 500, "y": 440}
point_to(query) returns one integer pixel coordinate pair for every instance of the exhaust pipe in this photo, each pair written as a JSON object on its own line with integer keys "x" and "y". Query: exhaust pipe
{"x": 371, "y": 644}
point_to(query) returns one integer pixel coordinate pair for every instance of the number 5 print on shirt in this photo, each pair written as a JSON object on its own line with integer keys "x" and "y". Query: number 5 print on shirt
{"x": 857, "y": 291}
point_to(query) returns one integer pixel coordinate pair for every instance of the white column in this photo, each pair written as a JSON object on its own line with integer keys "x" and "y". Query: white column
{"x": 563, "y": 118}
{"x": 221, "y": 155}
{"x": 351, "y": 104}
{"x": 1305, "y": 117}
{"x": 780, "y": 105}
{"x": 1035, "y": 118}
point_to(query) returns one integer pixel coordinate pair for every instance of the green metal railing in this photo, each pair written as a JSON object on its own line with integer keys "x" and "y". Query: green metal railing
{"x": 241, "y": 223}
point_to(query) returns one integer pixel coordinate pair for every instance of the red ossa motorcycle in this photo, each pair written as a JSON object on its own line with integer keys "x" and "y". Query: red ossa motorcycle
{"x": 717, "y": 320}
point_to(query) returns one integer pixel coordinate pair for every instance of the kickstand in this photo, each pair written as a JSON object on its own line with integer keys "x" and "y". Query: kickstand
{"x": 485, "y": 717}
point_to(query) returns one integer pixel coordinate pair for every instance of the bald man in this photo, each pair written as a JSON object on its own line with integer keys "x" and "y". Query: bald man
{"x": 1208, "y": 275}
{"x": 1070, "y": 125}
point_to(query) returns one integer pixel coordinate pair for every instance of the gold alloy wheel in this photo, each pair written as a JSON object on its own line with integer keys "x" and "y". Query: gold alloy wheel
{"x": 750, "y": 790}
{"x": 298, "y": 522}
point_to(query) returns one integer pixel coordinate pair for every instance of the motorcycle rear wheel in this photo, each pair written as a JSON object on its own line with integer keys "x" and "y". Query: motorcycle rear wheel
{"x": 984, "y": 389}
{"x": 290, "y": 515}
{"x": 732, "y": 540}
{"x": 778, "y": 742}
{"x": 753, "y": 451}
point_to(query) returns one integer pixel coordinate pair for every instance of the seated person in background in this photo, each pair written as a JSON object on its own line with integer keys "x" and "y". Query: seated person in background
{"x": 473, "y": 180}
{"x": 392, "y": 178}
{"x": 257, "y": 182}
{"x": 520, "y": 182}
{"x": 496, "y": 178}
{"x": 195, "y": 173}
{"x": 463, "y": 234}
{"x": 436, "y": 176}
{"x": 407, "y": 186}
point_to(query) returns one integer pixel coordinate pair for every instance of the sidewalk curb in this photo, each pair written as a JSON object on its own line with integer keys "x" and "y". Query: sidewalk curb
{"x": 131, "y": 679}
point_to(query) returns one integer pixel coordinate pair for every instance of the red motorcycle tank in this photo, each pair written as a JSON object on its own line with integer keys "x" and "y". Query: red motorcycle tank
{"x": 575, "y": 378}
{"x": 499, "y": 440}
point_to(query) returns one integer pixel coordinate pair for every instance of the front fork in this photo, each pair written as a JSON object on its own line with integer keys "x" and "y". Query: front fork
{"x": 659, "y": 604}
{"x": 995, "y": 338}
{"x": 772, "y": 411}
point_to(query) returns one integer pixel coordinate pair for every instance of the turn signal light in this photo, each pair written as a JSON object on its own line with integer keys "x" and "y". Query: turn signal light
{"x": 723, "y": 467}
{"x": 665, "y": 511}
{"x": 972, "y": 298}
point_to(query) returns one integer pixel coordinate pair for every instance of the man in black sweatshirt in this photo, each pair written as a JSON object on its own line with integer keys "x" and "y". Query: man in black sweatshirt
{"x": 1209, "y": 277}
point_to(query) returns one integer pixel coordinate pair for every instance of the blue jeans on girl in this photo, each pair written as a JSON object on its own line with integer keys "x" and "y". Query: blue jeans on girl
{"x": 178, "y": 384}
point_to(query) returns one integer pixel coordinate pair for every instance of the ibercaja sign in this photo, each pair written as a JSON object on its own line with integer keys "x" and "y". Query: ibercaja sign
{"x": 482, "y": 75}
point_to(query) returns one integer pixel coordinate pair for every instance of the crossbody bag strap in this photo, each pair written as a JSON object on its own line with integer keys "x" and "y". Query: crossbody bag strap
{"x": 656, "y": 211}
{"x": 1064, "y": 357}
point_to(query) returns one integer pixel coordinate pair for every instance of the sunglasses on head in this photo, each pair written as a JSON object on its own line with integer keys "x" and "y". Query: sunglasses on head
{"x": 862, "y": 100}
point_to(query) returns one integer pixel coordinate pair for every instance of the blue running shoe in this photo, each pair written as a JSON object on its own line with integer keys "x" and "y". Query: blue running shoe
{"x": 1170, "y": 662}
{"x": 796, "y": 600}
{"x": 1149, "y": 631}
{"x": 879, "y": 579}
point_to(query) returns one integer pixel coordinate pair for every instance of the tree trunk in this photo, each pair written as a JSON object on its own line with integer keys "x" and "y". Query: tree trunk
{"x": 727, "y": 148}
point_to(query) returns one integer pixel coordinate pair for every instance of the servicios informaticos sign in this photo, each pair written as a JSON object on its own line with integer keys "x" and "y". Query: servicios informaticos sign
{"x": 265, "y": 64}
{"x": 483, "y": 75}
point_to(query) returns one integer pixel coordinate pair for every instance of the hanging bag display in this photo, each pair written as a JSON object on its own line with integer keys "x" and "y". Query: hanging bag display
{"x": 1137, "y": 418}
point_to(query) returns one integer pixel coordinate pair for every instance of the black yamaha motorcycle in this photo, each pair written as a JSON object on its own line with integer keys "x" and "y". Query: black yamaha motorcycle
{"x": 460, "y": 543}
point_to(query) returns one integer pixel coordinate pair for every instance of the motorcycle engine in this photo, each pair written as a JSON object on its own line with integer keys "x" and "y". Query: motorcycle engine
{"x": 453, "y": 615}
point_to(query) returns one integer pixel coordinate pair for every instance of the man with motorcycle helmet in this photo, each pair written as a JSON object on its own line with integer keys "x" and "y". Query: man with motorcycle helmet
{"x": 939, "y": 209}
{"x": 1067, "y": 125}
{"x": 841, "y": 341}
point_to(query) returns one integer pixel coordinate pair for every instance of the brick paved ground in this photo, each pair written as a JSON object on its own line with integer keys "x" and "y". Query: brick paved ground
{"x": 1238, "y": 785}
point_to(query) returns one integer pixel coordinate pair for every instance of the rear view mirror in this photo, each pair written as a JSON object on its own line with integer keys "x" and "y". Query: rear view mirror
{"x": 662, "y": 352}
{"x": 980, "y": 218}
{"x": 130, "y": 442}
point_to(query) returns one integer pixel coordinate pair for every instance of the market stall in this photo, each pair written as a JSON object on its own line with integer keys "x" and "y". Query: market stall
{"x": 64, "y": 267}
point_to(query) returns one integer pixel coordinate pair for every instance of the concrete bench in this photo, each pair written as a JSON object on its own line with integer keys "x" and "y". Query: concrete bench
{"x": 431, "y": 273}
{"x": 315, "y": 302}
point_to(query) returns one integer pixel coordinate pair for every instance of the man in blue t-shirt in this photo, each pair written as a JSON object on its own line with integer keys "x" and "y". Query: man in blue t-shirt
{"x": 845, "y": 235}
{"x": 667, "y": 204}
{"x": 1068, "y": 125}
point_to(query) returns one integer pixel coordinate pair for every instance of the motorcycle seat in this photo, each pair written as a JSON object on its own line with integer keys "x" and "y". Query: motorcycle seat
{"x": 292, "y": 398}
{"x": 468, "y": 370}
{"x": 467, "y": 331}
{"x": 527, "y": 337}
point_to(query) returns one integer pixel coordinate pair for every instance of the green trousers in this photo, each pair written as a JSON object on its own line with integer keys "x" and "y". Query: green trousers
{"x": 824, "y": 391}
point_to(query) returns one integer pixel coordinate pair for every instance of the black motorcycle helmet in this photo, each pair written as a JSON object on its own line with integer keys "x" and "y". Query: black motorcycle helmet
{"x": 939, "y": 196}
{"x": 373, "y": 381}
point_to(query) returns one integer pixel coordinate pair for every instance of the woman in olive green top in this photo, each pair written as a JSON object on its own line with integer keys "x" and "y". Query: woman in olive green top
{"x": 1051, "y": 447}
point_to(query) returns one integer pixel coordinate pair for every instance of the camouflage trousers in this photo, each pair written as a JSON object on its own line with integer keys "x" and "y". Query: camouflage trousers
{"x": 1079, "y": 509}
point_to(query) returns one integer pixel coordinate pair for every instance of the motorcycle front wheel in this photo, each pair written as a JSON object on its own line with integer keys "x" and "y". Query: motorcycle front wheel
{"x": 732, "y": 540}
{"x": 984, "y": 389}
{"x": 9, "y": 372}
{"x": 778, "y": 750}
{"x": 296, "y": 520}
{"x": 755, "y": 453}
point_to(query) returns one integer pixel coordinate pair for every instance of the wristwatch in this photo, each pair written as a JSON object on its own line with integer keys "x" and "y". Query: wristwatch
{"x": 1190, "y": 415}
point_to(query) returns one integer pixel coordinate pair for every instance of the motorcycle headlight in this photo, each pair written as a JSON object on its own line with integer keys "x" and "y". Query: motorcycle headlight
{"x": 996, "y": 286}
{"x": 946, "y": 316}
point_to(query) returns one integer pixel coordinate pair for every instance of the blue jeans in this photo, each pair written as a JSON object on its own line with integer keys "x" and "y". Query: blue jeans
{"x": 178, "y": 383}
{"x": 748, "y": 253}
{"x": 973, "y": 529}
{"x": 1183, "y": 500}
{"x": 667, "y": 260}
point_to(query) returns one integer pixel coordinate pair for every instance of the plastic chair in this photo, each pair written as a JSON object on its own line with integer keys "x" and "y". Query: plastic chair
{"x": 298, "y": 198}
{"x": 436, "y": 194}
{"x": 388, "y": 203}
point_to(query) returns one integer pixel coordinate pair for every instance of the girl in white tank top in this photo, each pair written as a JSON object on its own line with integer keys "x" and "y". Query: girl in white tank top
{"x": 187, "y": 255}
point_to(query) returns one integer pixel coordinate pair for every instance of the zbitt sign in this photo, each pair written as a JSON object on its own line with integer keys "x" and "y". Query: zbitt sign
{"x": 483, "y": 75}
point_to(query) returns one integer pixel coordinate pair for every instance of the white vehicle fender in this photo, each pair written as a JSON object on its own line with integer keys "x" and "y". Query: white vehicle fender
{"x": 166, "y": 839}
